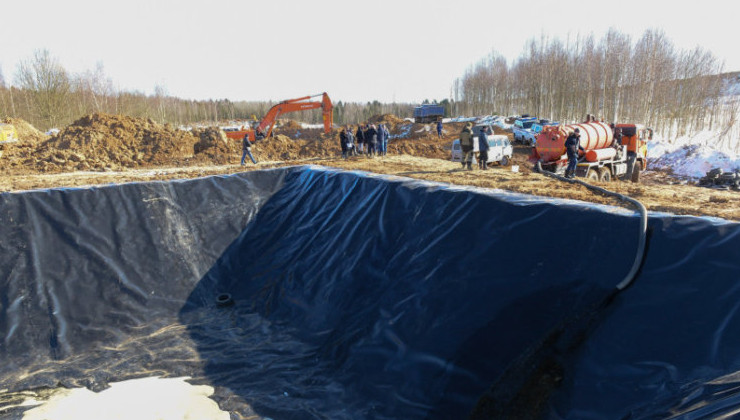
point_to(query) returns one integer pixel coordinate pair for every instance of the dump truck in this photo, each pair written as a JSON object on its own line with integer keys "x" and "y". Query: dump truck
{"x": 603, "y": 158}
{"x": 429, "y": 113}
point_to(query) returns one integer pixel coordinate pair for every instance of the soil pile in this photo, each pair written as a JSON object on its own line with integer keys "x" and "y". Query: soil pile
{"x": 213, "y": 146}
{"x": 27, "y": 134}
{"x": 290, "y": 125}
{"x": 102, "y": 141}
{"x": 282, "y": 147}
{"x": 390, "y": 120}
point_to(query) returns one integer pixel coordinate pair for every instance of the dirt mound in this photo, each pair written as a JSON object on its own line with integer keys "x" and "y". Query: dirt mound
{"x": 214, "y": 146}
{"x": 102, "y": 141}
{"x": 27, "y": 134}
{"x": 290, "y": 125}
{"x": 389, "y": 120}
{"x": 281, "y": 147}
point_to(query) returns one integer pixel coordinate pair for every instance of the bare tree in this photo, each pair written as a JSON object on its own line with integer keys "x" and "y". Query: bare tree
{"x": 44, "y": 78}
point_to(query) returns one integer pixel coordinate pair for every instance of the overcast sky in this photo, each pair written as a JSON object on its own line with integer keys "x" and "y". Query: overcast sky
{"x": 356, "y": 51}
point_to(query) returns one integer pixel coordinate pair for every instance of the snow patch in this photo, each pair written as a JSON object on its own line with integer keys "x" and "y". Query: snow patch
{"x": 687, "y": 159}
{"x": 138, "y": 399}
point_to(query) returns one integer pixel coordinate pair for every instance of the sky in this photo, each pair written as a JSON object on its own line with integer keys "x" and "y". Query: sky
{"x": 356, "y": 51}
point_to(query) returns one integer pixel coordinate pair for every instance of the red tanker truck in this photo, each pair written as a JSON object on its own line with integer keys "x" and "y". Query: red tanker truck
{"x": 603, "y": 159}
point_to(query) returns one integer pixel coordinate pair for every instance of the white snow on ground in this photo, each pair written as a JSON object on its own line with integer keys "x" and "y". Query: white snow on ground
{"x": 691, "y": 156}
{"x": 138, "y": 399}
{"x": 304, "y": 125}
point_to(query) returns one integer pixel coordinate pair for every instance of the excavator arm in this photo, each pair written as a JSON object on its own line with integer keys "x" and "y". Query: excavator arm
{"x": 300, "y": 104}
{"x": 291, "y": 105}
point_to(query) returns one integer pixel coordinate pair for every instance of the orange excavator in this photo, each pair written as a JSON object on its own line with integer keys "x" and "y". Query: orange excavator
{"x": 264, "y": 128}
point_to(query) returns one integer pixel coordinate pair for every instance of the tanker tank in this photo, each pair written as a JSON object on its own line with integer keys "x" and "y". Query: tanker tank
{"x": 551, "y": 141}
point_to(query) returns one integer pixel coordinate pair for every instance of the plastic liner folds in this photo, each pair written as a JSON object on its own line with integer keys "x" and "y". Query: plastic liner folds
{"x": 306, "y": 292}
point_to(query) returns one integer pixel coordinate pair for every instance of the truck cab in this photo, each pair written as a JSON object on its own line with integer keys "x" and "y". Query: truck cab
{"x": 531, "y": 136}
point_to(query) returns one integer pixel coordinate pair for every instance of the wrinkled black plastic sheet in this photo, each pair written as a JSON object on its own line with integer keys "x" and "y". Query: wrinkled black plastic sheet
{"x": 362, "y": 296}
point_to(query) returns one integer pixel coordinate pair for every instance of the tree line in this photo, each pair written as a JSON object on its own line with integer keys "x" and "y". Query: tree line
{"x": 46, "y": 95}
{"x": 648, "y": 81}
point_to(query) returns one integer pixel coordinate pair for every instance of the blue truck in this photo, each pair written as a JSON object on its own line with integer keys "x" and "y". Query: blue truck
{"x": 428, "y": 113}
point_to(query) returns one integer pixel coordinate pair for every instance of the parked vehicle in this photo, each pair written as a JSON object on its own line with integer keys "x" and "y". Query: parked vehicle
{"x": 603, "y": 160}
{"x": 522, "y": 128}
{"x": 530, "y": 137}
{"x": 500, "y": 150}
{"x": 428, "y": 113}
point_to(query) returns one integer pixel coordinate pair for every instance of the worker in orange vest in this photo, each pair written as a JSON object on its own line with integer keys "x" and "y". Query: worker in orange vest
{"x": 632, "y": 142}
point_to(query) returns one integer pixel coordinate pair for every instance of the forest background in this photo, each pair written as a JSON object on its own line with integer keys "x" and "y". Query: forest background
{"x": 648, "y": 80}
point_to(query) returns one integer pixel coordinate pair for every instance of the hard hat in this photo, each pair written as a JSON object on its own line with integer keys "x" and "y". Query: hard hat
{"x": 577, "y": 130}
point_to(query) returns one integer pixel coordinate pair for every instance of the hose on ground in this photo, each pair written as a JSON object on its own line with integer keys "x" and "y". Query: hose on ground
{"x": 642, "y": 242}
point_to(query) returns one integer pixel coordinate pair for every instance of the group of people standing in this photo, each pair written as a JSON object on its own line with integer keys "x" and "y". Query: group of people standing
{"x": 468, "y": 147}
{"x": 368, "y": 140}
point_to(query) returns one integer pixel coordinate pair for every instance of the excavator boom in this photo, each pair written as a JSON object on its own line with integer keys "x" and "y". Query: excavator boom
{"x": 290, "y": 105}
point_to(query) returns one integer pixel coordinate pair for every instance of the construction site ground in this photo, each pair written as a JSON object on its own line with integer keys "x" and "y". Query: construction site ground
{"x": 111, "y": 149}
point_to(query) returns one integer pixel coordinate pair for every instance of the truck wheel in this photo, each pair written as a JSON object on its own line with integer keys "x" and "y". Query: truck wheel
{"x": 605, "y": 175}
{"x": 505, "y": 161}
{"x": 636, "y": 172}
{"x": 593, "y": 175}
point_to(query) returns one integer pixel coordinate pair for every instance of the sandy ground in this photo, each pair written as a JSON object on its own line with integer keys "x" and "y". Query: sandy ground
{"x": 105, "y": 149}
{"x": 657, "y": 191}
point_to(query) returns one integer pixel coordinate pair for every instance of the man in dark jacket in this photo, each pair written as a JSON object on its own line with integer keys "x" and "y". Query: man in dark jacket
{"x": 572, "y": 146}
{"x": 466, "y": 143}
{"x": 371, "y": 139}
{"x": 343, "y": 143}
{"x": 247, "y": 149}
{"x": 439, "y": 129}
{"x": 360, "y": 137}
{"x": 483, "y": 148}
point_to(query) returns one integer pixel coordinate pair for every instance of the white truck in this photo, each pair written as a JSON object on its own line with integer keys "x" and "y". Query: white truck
{"x": 500, "y": 148}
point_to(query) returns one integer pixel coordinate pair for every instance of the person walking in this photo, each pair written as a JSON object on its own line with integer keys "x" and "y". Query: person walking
{"x": 466, "y": 143}
{"x": 439, "y": 129}
{"x": 572, "y": 146}
{"x": 247, "y": 149}
{"x": 483, "y": 148}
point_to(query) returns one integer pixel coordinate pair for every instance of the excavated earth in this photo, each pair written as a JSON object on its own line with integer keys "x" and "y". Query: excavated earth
{"x": 104, "y": 149}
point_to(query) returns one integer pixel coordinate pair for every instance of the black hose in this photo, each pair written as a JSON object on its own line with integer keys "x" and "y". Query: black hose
{"x": 642, "y": 233}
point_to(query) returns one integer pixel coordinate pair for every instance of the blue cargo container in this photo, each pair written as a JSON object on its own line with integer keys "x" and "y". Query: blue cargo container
{"x": 428, "y": 113}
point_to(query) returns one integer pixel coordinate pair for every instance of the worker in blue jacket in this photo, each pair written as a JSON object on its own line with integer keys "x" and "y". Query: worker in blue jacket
{"x": 572, "y": 146}
{"x": 382, "y": 139}
{"x": 483, "y": 148}
{"x": 247, "y": 149}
